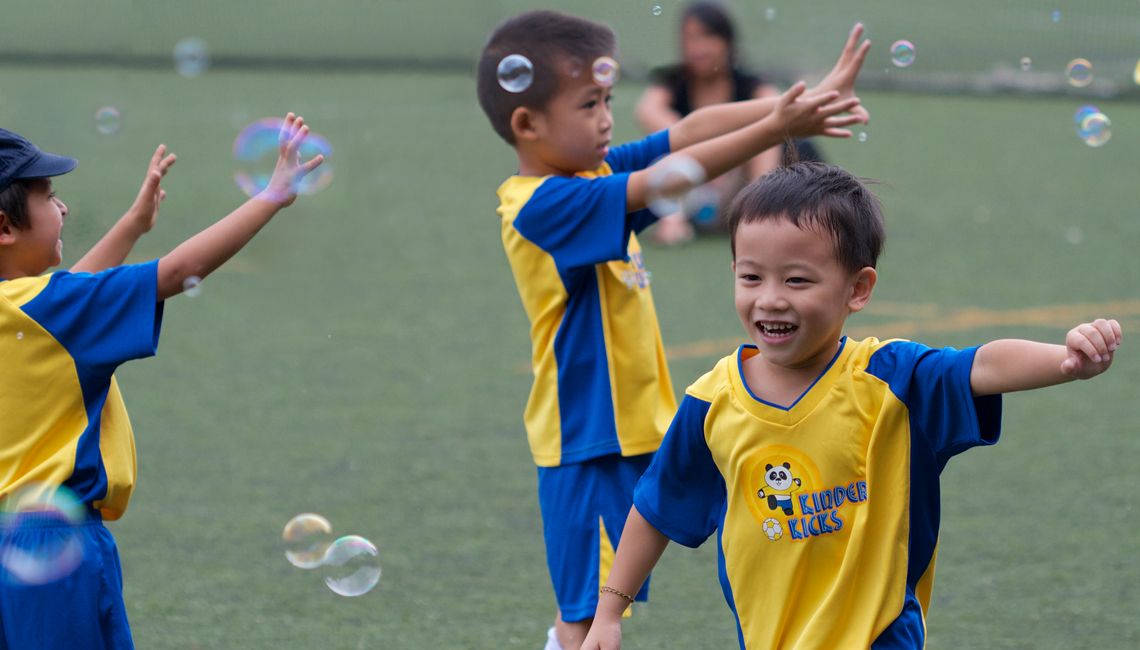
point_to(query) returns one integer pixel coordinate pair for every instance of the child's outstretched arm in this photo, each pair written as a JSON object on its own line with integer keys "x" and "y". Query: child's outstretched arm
{"x": 114, "y": 247}
{"x": 203, "y": 253}
{"x": 795, "y": 115}
{"x": 712, "y": 121}
{"x": 1011, "y": 364}
{"x": 640, "y": 548}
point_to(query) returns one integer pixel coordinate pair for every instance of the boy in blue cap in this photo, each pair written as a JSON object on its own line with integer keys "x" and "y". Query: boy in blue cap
{"x": 62, "y": 335}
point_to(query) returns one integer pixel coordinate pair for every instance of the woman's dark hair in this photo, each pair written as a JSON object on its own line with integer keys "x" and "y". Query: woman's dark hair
{"x": 716, "y": 19}
{"x": 553, "y": 42}
{"x": 14, "y": 201}
{"x": 823, "y": 197}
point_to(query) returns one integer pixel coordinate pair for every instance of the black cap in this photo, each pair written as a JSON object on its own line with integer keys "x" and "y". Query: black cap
{"x": 19, "y": 158}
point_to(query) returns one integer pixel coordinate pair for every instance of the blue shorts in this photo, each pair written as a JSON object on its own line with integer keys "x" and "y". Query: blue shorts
{"x": 82, "y": 609}
{"x": 584, "y": 507}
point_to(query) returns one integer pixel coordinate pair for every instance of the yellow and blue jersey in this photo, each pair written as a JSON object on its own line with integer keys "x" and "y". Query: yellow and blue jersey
{"x": 601, "y": 383}
{"x": 63, "y": 421}
{"x": 847, "y": 562}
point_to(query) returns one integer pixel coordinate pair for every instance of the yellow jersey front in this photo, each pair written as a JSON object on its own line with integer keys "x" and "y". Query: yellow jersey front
{"x": 601, "y": 383}
{"x": 62, "y": 419}
{"x": 826, "y": 512}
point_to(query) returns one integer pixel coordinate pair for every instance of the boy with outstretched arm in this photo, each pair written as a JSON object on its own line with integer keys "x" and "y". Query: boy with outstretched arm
{"x": 62, "y": 336}
{"x": 814, "y": 458}
{"x": 602, "y": 398}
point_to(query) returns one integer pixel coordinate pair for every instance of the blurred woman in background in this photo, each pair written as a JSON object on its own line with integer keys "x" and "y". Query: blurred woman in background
{"x": 709, "y": 73}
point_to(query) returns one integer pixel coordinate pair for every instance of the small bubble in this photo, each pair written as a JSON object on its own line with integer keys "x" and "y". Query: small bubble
{"x": 307, "y": 538}
{"x": 1074, "y": 235}
{"x": 1096, "y": 129}
{"x": 862, "y": 136}
{"x": 670, "y": 182}
{"x": 19, "y": 335}
{"x": 257, "y": 149}
{"x": 191, "y": 57}
{"x": 770, "y": 14}
{"x": 902, "y": 53}
{"x": 192, "y": 286}
{"x": 1056, "y": 16}
{"x": 1026, "y": 63}
{"x": 1079, "y": 72}
{"x": 107, "y": 120}
{"x": 605, "y": 71}
{"x": 354, "y": 565}
{"x": 656, "y": 10}
{"x": 515, "y": 73}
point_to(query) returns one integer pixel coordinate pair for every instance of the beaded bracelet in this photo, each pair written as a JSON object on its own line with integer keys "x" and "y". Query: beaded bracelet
{"x": 615, "y": 591}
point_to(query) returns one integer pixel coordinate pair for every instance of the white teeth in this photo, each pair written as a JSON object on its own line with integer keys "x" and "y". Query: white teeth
{"x": 778, "y": 327}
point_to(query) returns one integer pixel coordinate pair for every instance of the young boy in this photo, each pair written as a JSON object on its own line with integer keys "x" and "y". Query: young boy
{"x": 62, "y": 336}
{"x": 602, "y": 398}
{"x": 815, "y": 458}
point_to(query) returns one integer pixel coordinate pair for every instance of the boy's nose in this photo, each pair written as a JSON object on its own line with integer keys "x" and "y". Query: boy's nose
{"x": 62, "y": 207}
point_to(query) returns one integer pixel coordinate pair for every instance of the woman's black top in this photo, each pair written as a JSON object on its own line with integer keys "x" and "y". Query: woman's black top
{"x": 673, "y": 77}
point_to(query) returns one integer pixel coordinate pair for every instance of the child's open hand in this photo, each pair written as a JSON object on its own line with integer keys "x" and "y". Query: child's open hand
{"x": 1091, "y": 347}
{"x": 842, "y": 76}
{"x": 290, "y": 171}
{"x": 144, "y": 211}
{"x": 820, "y": 114}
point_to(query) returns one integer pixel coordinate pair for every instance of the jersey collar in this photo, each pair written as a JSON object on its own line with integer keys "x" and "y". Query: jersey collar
{"x": 803, "y": 405}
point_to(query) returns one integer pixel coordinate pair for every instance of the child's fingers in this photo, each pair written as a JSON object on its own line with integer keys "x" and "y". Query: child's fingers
{"x": 790, "y": 95}
{"x": 819, "y": 101}
{"x": 298, "y": 138}
{"x": 161, "y": 195}
{"x": 165, "y": 163}
{"x": 861, "y": 56}
{"x": 286, "y": 131}
{"x": 1116, "y": 330}
{"x": 1106, "y": 331}
{"x": 863, "y": 114}
{"x": 837, "y": 108}
{"x": 312, "y": 164}
{"x": 1069, "y": 366}
{"x": 836, "y": 133}
{"x": 852, "y": 41}
{"x": 158, "y": 153}
{"x": 1092, "y": 342}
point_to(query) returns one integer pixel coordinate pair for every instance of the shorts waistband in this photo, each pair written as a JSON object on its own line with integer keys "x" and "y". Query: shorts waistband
{"x": 48, "y": 519}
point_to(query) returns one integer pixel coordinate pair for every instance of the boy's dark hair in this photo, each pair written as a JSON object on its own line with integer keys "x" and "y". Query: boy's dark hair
{"x": 552, "y": 41}
{"x": 816, "y": 195}
{"x": 716, "y": 19}
{"x": 14, "y": 201}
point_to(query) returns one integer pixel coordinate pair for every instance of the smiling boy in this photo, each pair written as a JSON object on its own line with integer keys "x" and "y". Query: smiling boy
{"x": 602, "y": 399}
{"x": 864, "y": 426}
{"x": 62, "y": 336}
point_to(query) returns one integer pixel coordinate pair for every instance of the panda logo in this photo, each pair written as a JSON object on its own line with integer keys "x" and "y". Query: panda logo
{"x": 781, "y": 485}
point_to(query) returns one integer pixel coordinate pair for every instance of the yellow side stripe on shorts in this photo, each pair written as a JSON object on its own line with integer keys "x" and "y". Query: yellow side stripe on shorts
{"x": 606, "y": 561}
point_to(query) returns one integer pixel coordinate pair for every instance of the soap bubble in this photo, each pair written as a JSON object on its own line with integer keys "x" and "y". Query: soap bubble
{"x": 656, "y": 10}
{"x": 192, "y": 286}
{"x": 353, "y": 566}
{"x": 770, "y": 14}
{"x": 1136, "y": 74}
{"x": 605, "y": 71}
{"x": 256, "y": 147}
{"x": 307, "y": 538}
{"x": 107, "y": 120}
{"x": 1079, "y": 72}
{"x": 19, "y": 335}
{"x": 702, "y": 206}
{"x": 1026, "y": 63}
{"x": 1082, "y": 113}
{"x": 191, "y": 57}
{"x": 515, "y": 73}
{"x": 54, "y": 513}
{"x": 1096, "y": 129}
{"x": 1074, "y": 235}
{"x": 670, "y": 182}
{"x": 902, "y": 53}
{"x": 1056, "y": 16}
{"x": 862, "y": 136}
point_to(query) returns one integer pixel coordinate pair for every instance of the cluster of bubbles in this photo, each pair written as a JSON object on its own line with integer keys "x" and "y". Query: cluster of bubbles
{"x": 1093, "y": 126}
{"x": 107, "y": 120}
{"x": 516, "y": 73}
{"x": 42, "y": 538}
{"x": 902, "y": 53}
{"x": 191, "y": 57}
{"x": 1079, "y": 72}
{"x": 256, "y": 149}
{"x": 352, "y": 563}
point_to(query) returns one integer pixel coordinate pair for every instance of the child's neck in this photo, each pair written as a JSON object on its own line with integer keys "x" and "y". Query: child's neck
{"x": 533, "y": 164}
{"x": 784, "y": 385}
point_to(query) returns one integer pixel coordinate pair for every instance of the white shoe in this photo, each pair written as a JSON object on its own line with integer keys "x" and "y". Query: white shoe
{"x": 552, "y": 640}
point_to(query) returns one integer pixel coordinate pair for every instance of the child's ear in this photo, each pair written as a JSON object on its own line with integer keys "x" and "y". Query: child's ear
{"x": 523, "y": 123}
{"x": 7, "y": 232}
{"x": 864, "y": 283}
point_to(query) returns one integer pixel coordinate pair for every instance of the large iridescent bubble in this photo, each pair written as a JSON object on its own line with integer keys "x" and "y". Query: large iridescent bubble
{"x": 256, "y": 151}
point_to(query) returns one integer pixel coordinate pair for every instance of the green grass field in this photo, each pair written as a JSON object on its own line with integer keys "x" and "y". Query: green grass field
{"x": 361, "y": 359}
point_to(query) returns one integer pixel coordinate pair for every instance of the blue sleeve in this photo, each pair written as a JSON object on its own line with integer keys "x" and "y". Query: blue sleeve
{"x": 102, "y": 319}
{"x": 682, "y": 494}
{"x": 637, "y": 155}
{"x": 578, "y": 221}
{"x": 935, "y": 387}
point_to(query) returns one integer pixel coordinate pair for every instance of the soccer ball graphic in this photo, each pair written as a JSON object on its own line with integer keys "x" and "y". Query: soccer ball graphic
{"x": 772, "y": 529}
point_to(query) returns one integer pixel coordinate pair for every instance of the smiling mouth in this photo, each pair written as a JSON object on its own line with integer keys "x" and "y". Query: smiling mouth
{"x": 777, "y": 331}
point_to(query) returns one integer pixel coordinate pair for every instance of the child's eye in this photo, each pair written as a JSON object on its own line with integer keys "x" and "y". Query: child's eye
{"x": 797, "y": 280}
{"x": 749, "y": 277}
